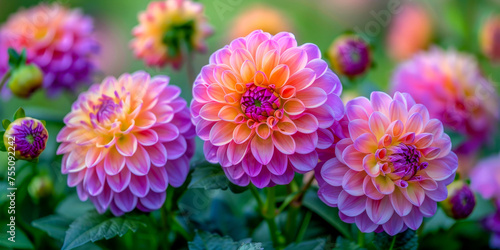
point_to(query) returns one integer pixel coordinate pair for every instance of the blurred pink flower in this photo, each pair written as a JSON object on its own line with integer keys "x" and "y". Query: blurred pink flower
{"x": 451, "y": 85}
{"x": 259, "y": 104}
{"x": 164, "y": 28}
{"x": 410, "y": 31}
{"x": 485, "y": 178}
{"x": 125, "y": 141}
{"x": 392, "y": 168}
{"x": 58, "y": 40}
{"x": 490, "y": 38}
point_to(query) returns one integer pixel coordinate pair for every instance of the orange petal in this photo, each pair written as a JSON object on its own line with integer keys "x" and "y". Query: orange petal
{"x": 279, "y": 75}
{"x": 294, "y": 107}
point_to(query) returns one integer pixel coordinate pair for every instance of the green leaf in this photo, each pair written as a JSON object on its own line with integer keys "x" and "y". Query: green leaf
{"x": 209, "y": 176}
{"x": 237, "y": 189}
{"x": 92, "y": 227}
{"x": 407, "y": 240}
{"x": 21, "y": 240}
{"x": 54, "y": 225}
{"x": 14, "y": 58}
{"x": 19, "y": 114}
{"x": 208, "y": 241}
{"x": 330, "y": 214}
{"x": 317, "y": 244}
{"x": 345, "y": 244}
{"x": 5, "y": 123}
{"x": 72, "y": 207}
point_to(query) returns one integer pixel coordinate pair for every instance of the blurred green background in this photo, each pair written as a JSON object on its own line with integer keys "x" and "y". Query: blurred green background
{"x": 456, "y": 24}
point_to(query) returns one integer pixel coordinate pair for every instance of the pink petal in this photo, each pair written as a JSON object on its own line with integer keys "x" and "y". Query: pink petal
{"x": 415, "y": 123}
{"x": 304, "y": 163}
{"x": 167, "y": 132}
{"x": 312, "y": 97}
{"x": 357, "y": 128}
{"x": 353, "y": 158}
{"x": 119, "y": 182}
{"x": 283, "y": 179}
{"x": 307, "y": 123}
{"x": 139, "y": 163}
{"x": 394, "y": 225}
{"x": 414, "y": 193}
{"x": 380, "y": 102}
{"x": 177, "y": 171}
{"x": 284, "y": 143}
{"x": 351, "y": 205}
{"x": 353, "y": 182}
{"x": 371, "y": 166}
{"x": 333, "y": 172}
{"x": 301, "y": 79}
{"x": 262, "y": 150}
{"x": 242, "y": 133}
{"x": 139, "y": 185}
{"x": 398, "y": 111}
{"x": 114, "y": 162}
{"x": 92, "y": 182}
{"x": 236, "y": 152}
{"x": 147, "y": 137}
{"x": 157, "y": 154}
{"x": 294, "y": 107}
{"x": 125, "y": 200}
{"x": 295, "y": 58}
{"x": 176, "y": 148}
{"x": 329, "y": 195}
{"x": 153, "y": 200}
{"x": 440, "y": 169}
{"x": 222, "y": 133}
{"x": 370, "y": 190}
{"x": 366, "y": 143}
{"x": 384, "y": 184}
{"x": 251, "y": 166}
{"x": 428, "y": 208}
{"x": 278, "y": 164}
{"x": 158, "y": 179}
{"x": 329, "y": 82}
{"x": 94, "y": 156}
{"x": 414, "y": 219}
{"x": 400, "y": 204}
{"x": 127, "y": 145}
{"x": 378, "y": 123}
{"x": 379, "y": 211}
{"x": 305, "y": 143}
{"x": 365, "y": 224}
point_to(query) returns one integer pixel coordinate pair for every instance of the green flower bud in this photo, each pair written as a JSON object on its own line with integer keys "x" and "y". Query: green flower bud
{"x": 41, "y": 186}
{"x": 25, "y": 80}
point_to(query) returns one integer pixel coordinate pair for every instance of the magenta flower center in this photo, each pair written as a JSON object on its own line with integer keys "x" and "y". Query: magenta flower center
{"x": 105, "y": 110}
{"x": 406, "y": 161}
{"x": 258, "y": 103}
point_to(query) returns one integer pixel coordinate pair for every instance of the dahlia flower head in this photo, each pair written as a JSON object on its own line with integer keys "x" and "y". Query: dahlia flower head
{"x": 451, "y": 86}
{"x": 391, "y": 167}
{"x": 28, "y": 137}
{"x": 58, "y": 40}
{"x": 490, "y": 38}
{"x": 125, "y": 141}
{"x": 164, "y": 26}
{"x": 259, "y": 105}
{"x": 485, "y": 178}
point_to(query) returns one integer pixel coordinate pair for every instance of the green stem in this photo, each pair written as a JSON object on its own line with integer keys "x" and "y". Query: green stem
{"x": 361, "y": 239}
{"x": 393, "y": 242}
{"x": 190, "y": 67}
{"x": 5, "y": 78}
{"x": 303, "y": 227}
{"x": 271, "y": 214}
{"x": 255, "y": 193}
{"x": 181, "y": 230}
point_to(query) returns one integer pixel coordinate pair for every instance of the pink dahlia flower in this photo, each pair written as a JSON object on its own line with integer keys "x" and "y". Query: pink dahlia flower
{"x": 391, "y": 169}
{"x": 451, "y": 85}
{"x": 58, "y": 40}
{"x": 259, "y": 104}
{"x": 485, "y": 178}
{"x": 165, "y": 27}
{"x": 125, "y": 141}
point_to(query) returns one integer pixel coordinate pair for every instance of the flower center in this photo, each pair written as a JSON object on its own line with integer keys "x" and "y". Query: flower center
{"x": 258, "y": 103}
{"x": 104, "y": 111}
{"x": 406, "y": 161}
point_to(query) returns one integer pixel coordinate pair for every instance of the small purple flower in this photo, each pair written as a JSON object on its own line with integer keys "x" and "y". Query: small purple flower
{"x": 27, "y": 136}
{"x": 350, "y": 55}
{"x": 460, "y": 202}
{"x": 492, "y": 223}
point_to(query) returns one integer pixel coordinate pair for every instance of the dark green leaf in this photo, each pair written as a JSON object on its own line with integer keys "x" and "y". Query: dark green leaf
{"x": 72, "y": 207}
{"x": 54, "y": 225}
{"x": 237, "y": 189}
{"x": 208, "y": 241}
{"x": 21, "y": 240}
{"x": 209, "y": 176}
{"x": 407, "y": 240}
{"x": 330, "y": 214}
{"x": 317, "y": 244}
{"x": 5, "y": 123}
{"x": 92, "y": 227}
{"x": 14, "y": 58}
{"x": 345, "y": 244}
{"x": 19, "y": 114}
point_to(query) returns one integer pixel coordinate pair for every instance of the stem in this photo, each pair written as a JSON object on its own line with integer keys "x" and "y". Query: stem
{"x": 255, "y": 193}
{"x": 303, "y": 227}
{"x": 5, "y": 78}
{"x": 361, "y": 239}
{"x": 393, "y": 242}
{"x": 181, "y": 230}
{"x": 270, "y": 215}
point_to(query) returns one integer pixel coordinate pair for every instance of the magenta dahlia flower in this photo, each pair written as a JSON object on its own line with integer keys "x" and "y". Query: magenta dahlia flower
{"x": 259, "y": 104}
{"x": 391, "y": 169}
{"x": 58, "y": 40}
{"x": 451, "y": 85}
{"x": 125, "y": 141}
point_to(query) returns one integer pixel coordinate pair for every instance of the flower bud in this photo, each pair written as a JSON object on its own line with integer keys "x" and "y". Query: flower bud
{"x": 27, "y": 136}
{"x": 41, "y": 186}
{"x": 349, "y": 55}
{"x": 460, "y": 201}
{"x": 25, "y": 80}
